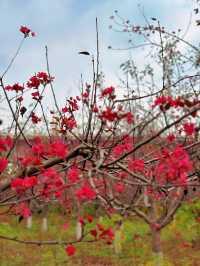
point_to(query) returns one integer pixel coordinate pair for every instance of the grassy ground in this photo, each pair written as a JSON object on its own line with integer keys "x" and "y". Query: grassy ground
{"x": 180, "y": 240}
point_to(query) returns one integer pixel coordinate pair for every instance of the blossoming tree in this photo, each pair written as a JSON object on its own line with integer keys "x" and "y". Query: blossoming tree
{"x": 136, "y": 154}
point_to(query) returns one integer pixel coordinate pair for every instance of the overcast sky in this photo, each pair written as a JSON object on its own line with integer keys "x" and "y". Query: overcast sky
{"x": 68, "y": 26}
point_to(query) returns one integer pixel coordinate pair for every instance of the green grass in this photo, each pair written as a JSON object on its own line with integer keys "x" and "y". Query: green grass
{"x": 180, "y": 240}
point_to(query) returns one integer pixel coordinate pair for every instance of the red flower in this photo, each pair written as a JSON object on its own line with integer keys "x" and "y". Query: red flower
{"x": 16, "y": 87}
{"x": 93, "y": 232}
{"x": 73, "y": 174}
{"x": 108, "y": 92}
{"x": 95, "y": 109}
{"x": 34, "y": 118}
{"x": 20, "y": 99}
{"x": 159, "y": 101}
{"x": 8, "y": 88}
{"x": 85, "y": 94}
{"x": 136, "y": 165}
{"x": 5, "y": 143}
{"x": 119, "y": 187}
{"x": 68, "y": 123}
{"x": 90, "y": 218}
{"x": 58, "y": 149}
{"x": 30, "y": 182}
{"x": 23, "y": 210}
{"x": 107, "y": 234}
{"x": 23, "y": 184}
{"x": 44, "y": 78}
{"x": 109, "y": 115}
{"x": 26, "y": 212}
{"x": 65, "y": 110}
{"x": 198, "y": 219}
{"x": 35, "y": 94}
{"x": 173, "y": 166}
{"x": 100, "y": 227}
{"x": 25, "y": 30}
{"x": 70, "y": 250}
{"x": 34, "y": 82}
{"x": 119, "y": 149}
{"x": 189, "y": 128}
{"x": 85, "y": 193}
{"x": 171, "y": 137}
{"x": 38, "y": 148}
{"x": 81, "y": 221}
{"x": 3, "y": 164}
{"x": 129, "y": 117}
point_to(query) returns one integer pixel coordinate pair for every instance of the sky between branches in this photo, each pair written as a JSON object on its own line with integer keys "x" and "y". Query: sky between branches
{"x": 67, "y": 27}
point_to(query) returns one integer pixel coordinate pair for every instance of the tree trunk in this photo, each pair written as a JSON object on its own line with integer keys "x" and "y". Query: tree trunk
{"x": 146, "y": 199}
{"x": 78, "y": 230}
{"x": 29, "y": 222}
{"x": 156, "y": 247}
{"x": 118, "y": 238}
{"x": 44, "y": 224}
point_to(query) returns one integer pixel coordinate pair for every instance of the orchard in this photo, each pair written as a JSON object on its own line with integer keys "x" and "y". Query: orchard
{"x": 109, "y": 159}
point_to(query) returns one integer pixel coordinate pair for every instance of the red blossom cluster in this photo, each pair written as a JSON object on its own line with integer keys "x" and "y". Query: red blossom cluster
{"x": 3, "y": 164}
{"x": 5, "y": 144}
{"x": 73, "y": 174}
{"x": 36, "y": 96}
{"x": 110, "y": 115}
{"x": 99, "y": 232}
{"x": 23, "y": 210}
{"x": 166, "y": 102}
{"x": 52, "y": 183}
{"x": 189, "y": 129}
{"x": 109, "y": 92}
{"x": 55, "y": 148}
{"x": 67, "y": 123}
{"x": 125, "y": 146}
{"x": 136, "y": 165}
{"x": 58, "y": 149}
{"x": 21, "y": 185}
{"x": 34, "y": 118}
{"x": 41, "y": 78}
{"x": 106, "y": 234}
{"x": 173, "y": 166}
{"x": 26, "y": 31}
{"x": 119, "y": 187}
{"x": 16, "y": 87}
{"x": 85, "y": 192}
{"x": 85, "y": 94}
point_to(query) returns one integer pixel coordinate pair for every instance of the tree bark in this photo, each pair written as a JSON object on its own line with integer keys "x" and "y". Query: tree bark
{"x": 29, "y": 222}
{"x": 156, "y": 247}
{"x": 44, "y": 224}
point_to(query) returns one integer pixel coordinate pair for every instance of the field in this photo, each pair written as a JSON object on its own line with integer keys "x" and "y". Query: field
{"x": 180, "y": 240}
